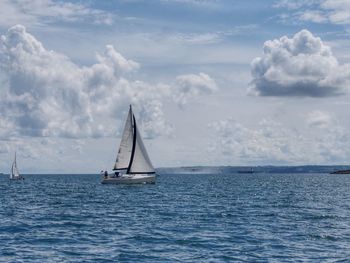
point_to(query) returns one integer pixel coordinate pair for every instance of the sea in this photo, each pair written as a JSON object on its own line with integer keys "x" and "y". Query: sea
{"x": 260, "y": 217}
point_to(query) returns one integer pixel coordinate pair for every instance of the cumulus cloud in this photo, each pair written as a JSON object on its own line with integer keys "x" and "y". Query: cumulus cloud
{"x": 273, "y": 143}
{"x": 192, "y": 85}
{"x": 299, "y": 66}
{"x": 45, "y": 94}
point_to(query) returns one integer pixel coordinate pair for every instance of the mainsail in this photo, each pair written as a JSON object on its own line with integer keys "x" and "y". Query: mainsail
{"x": 14, "y": 170}
{"x": 132, "y": 154}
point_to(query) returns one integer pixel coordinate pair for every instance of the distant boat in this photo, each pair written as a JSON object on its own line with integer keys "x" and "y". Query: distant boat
{"x": 248, "y": 171}
{"x": 14, "y": 175}
{"x": 132, "y": 166}
{"x": 341, "y": 172}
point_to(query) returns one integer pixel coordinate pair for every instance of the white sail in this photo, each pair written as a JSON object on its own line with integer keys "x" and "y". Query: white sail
{"x": 14, "y": 170}
{"x": 132, "y": 155}
{"x": 141, "y": 163}
{"x": 125, "y": 148}
{"x": 12, "y": 175}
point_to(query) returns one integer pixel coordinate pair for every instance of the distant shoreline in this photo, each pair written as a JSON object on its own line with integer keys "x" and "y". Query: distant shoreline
{"x": 255, "y": 169}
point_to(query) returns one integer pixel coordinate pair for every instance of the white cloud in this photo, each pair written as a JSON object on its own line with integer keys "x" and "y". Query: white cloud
{"x": 207, "y": 4}
{"x": 317, "y": 11}
{"x": 337, "y": 11}
{"x": 313, "y": 16}
{"x": 148, "y": 100}
{"x": 206, "y": 38}
{"x": 299, "y": 66}
{"x": 36, "y": 12}
{"x": 196, "y": 39}
{"x": 319, "y": 119}
{"x": 45, "y": 94}
{"x": 233, "y": 140}
{"x": 53, "y": 155}
{"x": 273, "y": 143}
{"x": 192, "y": 85}
{"x": 295, "y": 4}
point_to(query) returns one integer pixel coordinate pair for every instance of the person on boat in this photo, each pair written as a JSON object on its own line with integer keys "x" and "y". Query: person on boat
{"x": 106, "y": 174}
{"x": 116, "y": 174}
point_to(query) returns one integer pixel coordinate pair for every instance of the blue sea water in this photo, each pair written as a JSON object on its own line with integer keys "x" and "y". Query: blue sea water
{"x": 182, "y": 218}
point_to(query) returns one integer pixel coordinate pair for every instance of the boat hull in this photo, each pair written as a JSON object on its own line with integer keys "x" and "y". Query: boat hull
{"x": 17, "y": 179}
{"x": 130, "y": 179}
{"x": 341, "y": 172}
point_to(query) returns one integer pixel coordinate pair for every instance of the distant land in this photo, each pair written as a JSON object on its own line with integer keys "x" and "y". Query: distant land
{"x": 255, "y": 169}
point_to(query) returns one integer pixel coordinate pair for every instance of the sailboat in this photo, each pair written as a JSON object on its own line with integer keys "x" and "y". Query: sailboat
{"x": 14, "y": 171}
{"x": 133, "y": 165}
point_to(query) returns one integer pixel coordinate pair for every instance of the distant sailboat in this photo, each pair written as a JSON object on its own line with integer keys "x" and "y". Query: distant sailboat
{"x": 246, "y": 171}
{"x": 132, "y": 166}
{"x": 14, "y": 171}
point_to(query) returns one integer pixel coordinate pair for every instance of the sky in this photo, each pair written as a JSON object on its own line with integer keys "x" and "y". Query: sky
{"x": 244, "y": 82}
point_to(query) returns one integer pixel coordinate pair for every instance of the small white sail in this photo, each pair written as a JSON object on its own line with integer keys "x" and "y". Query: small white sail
{"x": 12, "y": 175}
{"x": 141, "y": 162}
{"x": 125, "y": 148}
{"x": 14, "y": 170}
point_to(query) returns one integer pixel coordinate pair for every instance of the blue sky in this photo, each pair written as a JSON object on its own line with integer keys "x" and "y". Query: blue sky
{"x": 212, "y": 82}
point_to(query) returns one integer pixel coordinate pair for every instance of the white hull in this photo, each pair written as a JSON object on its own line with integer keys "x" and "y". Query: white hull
{"x": 130, "y": 179}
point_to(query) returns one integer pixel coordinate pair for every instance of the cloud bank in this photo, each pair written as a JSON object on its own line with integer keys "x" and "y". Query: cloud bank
{"x": 299, "y": 66}
{"x": 319, "y": 140}
{"x": 45, "y": 94}
{"x": 48, "y": 95}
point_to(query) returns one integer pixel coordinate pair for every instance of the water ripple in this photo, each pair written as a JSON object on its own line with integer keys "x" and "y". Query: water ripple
{"x": 182, "y": 218}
